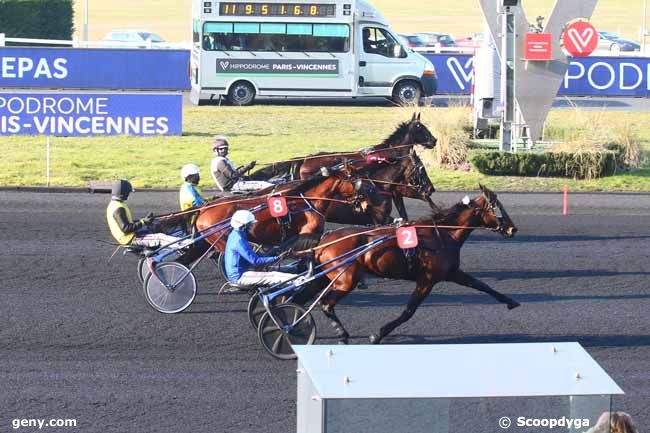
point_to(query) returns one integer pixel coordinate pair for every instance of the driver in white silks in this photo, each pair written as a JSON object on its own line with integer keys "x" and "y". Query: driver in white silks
{"x": 240, "y": 259}
{"x": 224, "y": 173}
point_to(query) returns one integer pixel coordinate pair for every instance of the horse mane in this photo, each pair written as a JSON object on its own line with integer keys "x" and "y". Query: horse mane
{"x": 442, "y": 215}
{"x": 395, "y": 137}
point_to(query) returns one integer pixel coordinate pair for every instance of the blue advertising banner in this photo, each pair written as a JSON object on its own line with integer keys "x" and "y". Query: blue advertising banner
{"x": 455, "y": 73}
{"x": 590, "y": 76}
{"x": 607, "y": 76}
{"x": 142, "y": 114}
{"x": 77, "y": 68}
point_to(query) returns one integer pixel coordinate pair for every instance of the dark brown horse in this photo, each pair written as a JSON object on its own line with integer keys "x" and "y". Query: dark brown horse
{"x": 309, "y": 201}
{"x": 398, "y": 144}
{"x": 407, "y": 133}
{"x": 403, "y": 172}
{"x": 436, "y": 259}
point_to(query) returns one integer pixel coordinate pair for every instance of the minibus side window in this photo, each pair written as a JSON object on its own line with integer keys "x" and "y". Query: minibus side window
{"x": 378, "y": 41}
{"x": 279, "y": 37}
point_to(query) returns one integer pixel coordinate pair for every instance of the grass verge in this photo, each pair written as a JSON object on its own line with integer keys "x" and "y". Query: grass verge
{"x": 272, "y": 133}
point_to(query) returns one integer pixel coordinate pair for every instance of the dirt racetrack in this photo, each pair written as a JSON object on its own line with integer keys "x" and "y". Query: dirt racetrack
{"x": 77, "y": 339}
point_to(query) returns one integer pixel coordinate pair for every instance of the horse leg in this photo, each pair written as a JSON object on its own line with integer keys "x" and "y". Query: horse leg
{"x": 399, "y": 205}
{"x": 464, "y": 279}
{"x": 422, "y": 290}
{"x": 327, "y": 306}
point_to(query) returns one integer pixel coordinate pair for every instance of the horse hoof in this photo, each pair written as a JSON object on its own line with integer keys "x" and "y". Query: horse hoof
{"x": 513, "y": 305}
{"x": 375, "y": 339}
{"x": 343, "y": 342}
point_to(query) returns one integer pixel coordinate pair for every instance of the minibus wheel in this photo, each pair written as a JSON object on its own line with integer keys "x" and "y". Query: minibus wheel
{"x": 407, "y": 93}
{"x": 241, "y": 93}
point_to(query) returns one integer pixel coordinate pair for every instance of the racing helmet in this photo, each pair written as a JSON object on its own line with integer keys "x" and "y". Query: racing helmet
{"x": 120, "y": 189}
{"x": 189, "y": 170}
{"x": 220, "y": 142}
{"x": 242, "y": 218}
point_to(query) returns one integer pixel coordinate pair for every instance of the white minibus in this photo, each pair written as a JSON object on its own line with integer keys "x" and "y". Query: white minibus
{"x": 317, "y": 48}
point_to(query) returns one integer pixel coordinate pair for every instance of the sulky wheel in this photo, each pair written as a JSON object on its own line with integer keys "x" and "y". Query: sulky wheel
{"x": 143, "y": 269}
{"x": 172, "y": 289}
{"x": 278, "y": 341}
{"x": 256, "y": 309}
{"x": 143, "y": 266}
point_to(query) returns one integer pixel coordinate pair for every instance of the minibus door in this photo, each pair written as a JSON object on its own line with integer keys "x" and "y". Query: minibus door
{"x": 381, "y": 60}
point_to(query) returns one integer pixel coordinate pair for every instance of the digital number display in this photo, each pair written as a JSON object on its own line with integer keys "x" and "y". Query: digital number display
{"x": 277, "y": 9}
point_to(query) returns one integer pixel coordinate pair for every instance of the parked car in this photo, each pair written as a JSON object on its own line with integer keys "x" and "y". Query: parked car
{"x": 472, "y": 41}
{"x": 411, "y": 41}
{"x": 612, "y": 42}
{"x": 127, "y": 38}
{"x": 437, "y": 40}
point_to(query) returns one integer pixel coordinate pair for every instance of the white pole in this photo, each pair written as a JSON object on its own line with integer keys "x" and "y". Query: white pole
{"x": 86, "y": 22}
{"x": 47, "y": 162}
{"x": 2, "y": 39}
{"x": 645, "y": 26}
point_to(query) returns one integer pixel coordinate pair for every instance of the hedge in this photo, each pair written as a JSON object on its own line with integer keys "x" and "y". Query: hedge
{"x": 37, "y": 19}
{"x": 580, "y": 165}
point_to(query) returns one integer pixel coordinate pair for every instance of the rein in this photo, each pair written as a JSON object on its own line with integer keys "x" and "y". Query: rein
{"x": 378, "y": 229}
{"x": 210, "y": 206}
{"x": 331, "y": 155}
{"x": 387, "y": 182}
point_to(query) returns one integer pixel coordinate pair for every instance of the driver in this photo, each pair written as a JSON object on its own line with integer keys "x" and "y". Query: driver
{"x": 369, "y": 46}
{"x": 239, "y": 257}
{"x": 224, "y": 173}
{"x": 190, "y": 195}
{"x": 121, "y": 224}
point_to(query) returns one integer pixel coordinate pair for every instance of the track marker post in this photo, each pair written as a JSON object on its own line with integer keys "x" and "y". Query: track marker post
{"x": 565, "y": 208}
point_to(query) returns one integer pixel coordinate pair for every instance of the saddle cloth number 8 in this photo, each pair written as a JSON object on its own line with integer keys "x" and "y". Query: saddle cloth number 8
{"x": 278, "y": 206}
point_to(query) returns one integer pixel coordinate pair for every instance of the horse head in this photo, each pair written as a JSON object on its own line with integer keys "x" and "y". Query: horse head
{"x": 411, "y": 132}
{"x": 416, "y": 176}
{"x": 418, "y": 133}
{"x": 341, "y": 182}
{"x": 492, "y": 214}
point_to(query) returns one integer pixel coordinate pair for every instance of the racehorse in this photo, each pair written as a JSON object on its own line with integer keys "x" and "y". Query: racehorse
{"x": 308, "y": 201}
{"x": 402, "y": 175}
{"x": 436, "y": 259}
{"x": 396, "y": 146}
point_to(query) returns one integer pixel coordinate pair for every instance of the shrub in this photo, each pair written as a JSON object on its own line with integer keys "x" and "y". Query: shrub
{"x": 594, "y": 131}
{"x": 577, "y": 165}
{"x": 38, "y": 19}
{"x": 453, "y": 131}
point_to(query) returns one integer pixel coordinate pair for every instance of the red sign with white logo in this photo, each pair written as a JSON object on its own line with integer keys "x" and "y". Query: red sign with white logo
{"x": 407, "y": 237}
{"x": 539, "y": 46}
{"x": 580, "y": 39}
{"x": 278, "y": 206}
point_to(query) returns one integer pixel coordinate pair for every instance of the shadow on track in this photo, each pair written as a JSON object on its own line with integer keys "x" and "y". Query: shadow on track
{"x": 610, "y": 340}
{"x": 534, "y": 275}
{"x": 370, "y": 300}
{"x": 575, "y": 238}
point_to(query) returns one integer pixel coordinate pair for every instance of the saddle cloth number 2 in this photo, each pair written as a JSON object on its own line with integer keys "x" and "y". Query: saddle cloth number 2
{"x": 407, "y": 237}
{"x": 278, "y": 206}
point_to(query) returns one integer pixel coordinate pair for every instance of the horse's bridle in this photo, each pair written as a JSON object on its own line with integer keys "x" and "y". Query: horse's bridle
{"x": 417, "y": 177}
{"x": 496, "y": 208}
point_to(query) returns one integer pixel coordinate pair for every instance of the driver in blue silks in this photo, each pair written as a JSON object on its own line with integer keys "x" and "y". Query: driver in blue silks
{"x": 239, "y": 257}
